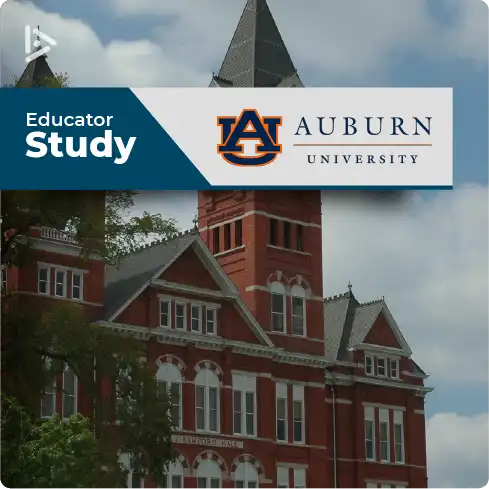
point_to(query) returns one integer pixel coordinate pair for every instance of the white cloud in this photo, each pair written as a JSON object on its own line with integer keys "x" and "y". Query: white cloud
{"x": 429, "y": 257}
{"x": 82, "y": 55}
{"x": 458, "y": 450}
{"x": 348, "y": 40}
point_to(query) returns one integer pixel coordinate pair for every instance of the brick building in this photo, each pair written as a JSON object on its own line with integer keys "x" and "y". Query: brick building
{"x": 278, "y": 386}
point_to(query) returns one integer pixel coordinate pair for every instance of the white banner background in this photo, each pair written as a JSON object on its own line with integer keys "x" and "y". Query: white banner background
{"x": 189, "y": 115}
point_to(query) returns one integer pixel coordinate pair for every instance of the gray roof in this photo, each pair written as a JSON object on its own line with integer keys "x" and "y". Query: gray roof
{"x": 122, "y": 282}
{"x": 257, "y": 56}
{"x": 347, "y": 322}
{"x": 36, "y": 73}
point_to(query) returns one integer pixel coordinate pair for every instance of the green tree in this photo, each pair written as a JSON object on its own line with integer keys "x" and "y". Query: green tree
{"x": 58, "y": 80}
{"x": 100, "y": 222}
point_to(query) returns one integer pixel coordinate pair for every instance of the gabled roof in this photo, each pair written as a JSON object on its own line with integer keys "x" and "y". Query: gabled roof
{"x": 257, "y": 56}
{"x": 125, "y": 283}
{"x": 36, "y": 73}
{"x": 347, "y": 323}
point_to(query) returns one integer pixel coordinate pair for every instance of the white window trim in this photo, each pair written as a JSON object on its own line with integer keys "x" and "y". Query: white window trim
{"x": 300, "y": 474}
{"x": 242, "y": 394}
{"x": 281, "y": 393}
{"x": 48, "y": 280}
{"x": 298, "y": 292}
{"x": 54, "y": 387}
{"x": 245, "y": 473}
{"x": 197, "y": 307}
{"x": 168, "y": 302}
{"x": 278, "y": 288}
{"x": 214, "y": 312}
{"x": 283, "y": 477}
{"x": 369, "y": 415}
{"x": 207, "y": 409}
{"x": 372, "y": 365}
{"x": 298, "y": 396}
{"x": 184, "y": 306}
{"x": 398, "y": 418}
{"x": 384, "y": 419}
{"x": 56, "y": 283}
{"x": 170, "y": 374}
{"x": 73, "y": 275}
{"x": 75, "y": 394}
{"x": 385, "y": 374}
{"x": 396, "y": 362}
{"x": 203, "y": 472}
{"x": 174, "y": 469}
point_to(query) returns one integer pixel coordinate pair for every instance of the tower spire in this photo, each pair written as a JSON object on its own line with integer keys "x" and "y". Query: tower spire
{"x": 257, "y": 56}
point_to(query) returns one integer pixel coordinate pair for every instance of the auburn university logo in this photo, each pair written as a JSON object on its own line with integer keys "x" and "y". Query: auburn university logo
{"x": 248, "y": 127}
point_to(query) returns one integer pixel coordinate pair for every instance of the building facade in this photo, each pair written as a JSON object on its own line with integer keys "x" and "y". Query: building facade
{"x": 277, "y": 386}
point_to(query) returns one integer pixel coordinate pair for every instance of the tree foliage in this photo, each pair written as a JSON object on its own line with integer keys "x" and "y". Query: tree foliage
{"x": 59, "y": 80}
{"x": 65, "y": 334}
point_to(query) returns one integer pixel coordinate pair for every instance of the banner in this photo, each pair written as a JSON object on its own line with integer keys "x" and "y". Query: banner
{"x": 198, "y": 138}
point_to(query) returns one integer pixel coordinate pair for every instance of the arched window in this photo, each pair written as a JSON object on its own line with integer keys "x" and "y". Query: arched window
{"x": 134, "y": 479}
{"x": 70, "y": 392}
{"x": 208, "y": 474}
{"x": 278, "y": 306}
{"x": 298, "y": 310}
{"x": 246, "y": 475}
{"x": 174, "y": 475}
{"x": 207, "y": 401}
{"x": 169, "y": 379}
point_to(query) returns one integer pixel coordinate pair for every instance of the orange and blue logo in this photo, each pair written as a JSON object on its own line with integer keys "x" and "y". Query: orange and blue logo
{"x": 249, "y": 127}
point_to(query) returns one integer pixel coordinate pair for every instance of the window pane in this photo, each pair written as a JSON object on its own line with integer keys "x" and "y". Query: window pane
{"x": 281, "y": 408}
{"x": 180, "y": 316}
{"x": 176, "y": 481}
{"x": 213, "y": 397}
{"x": 196, "y": 318}
{"x": 240, "y": 484}
{"x": 278, "y": 303}
{"x": 200, "y": 397}
{"x": 47, "y": 405}
{"x": 210, "y": 321}
{"x": 252, "y": 484}
{"x": 237, "y": 411}
{"x": 68, "y": 405}
{"x": 297, "y": 431}
{"x": 201, "y": 482}
{"x": 281, "y": 429}
{"x": 215, "y": 482}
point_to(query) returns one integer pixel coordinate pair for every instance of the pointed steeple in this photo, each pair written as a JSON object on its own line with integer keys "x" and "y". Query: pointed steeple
{"x": 37, "y": 71}
{"x": 257, "y": 56}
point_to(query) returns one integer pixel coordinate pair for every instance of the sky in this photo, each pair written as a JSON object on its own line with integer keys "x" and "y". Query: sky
{"x": 427, "y": 253}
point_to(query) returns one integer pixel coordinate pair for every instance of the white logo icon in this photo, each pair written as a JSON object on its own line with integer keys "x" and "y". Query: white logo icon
{"x": 39, "y": 51}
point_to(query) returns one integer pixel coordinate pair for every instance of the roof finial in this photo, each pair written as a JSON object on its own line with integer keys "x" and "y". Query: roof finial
{"x": 349, "y": 285}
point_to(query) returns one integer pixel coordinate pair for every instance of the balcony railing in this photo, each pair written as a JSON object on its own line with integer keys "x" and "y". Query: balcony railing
{"x": 56, "y": 235}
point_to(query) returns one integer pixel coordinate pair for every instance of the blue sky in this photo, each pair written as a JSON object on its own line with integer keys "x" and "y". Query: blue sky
{"x": 429, "y": 255}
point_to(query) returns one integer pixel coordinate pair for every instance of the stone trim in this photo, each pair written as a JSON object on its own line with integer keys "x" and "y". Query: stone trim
{"x": 210, "y": 455}
{"x": 209, "y": 364}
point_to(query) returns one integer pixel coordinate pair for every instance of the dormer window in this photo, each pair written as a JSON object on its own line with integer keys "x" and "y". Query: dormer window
{"x": 196, "y": 315}
{"x": 298, "y": 310}
{"x": 180, "y": 316}
{"x": 211, "y": 320}
{"x": 278, "y": 307}
{"x": 394, "y": 368}
{"x": 369, "y": 365}
{"x": 382, "y": 366}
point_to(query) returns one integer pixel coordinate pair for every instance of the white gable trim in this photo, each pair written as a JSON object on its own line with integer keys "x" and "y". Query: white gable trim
{"x": 404, "y": 350}
{"x": 212, "y": 266}
{"x": 230, "y": 289}
{"x": 148, "y": 282}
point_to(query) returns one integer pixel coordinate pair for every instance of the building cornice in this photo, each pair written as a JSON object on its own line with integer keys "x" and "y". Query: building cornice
{"x": 185, "y": 338}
